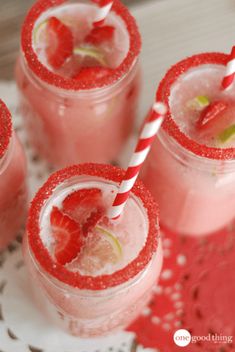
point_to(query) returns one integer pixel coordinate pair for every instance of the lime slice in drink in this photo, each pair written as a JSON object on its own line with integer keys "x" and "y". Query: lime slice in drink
{"x": 39, "y": 33}
{"x": 198, "y": 103}
{"x": 91, "y": 56}
{"x": 228, "y": 134}
{"x": 100, "y": 252}
{"x": 112, "y": 240}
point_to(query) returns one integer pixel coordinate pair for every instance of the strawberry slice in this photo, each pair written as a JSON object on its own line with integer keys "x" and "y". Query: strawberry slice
{"x": 92, "y": 221}
{"x": 79, "y": 204}
{"x": 99, "y": 35}
{"x": 92, "y": 73}
{"x": 60, "y": 42}
{"x": 210, "y": 113}
{"x": 67, "y": 235}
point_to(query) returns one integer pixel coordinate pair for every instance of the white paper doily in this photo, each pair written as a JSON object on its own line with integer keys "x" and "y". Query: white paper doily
{"x": 22, "y": 327}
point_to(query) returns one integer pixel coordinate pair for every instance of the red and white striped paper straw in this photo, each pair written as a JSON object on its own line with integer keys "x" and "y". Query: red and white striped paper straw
{"x": 103, "y": 11}
{"x": 230, "y": 71}
{"x": 146, "y": 139}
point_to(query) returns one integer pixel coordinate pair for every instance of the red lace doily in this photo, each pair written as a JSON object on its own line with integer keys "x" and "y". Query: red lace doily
{"x": 196, "y": 292}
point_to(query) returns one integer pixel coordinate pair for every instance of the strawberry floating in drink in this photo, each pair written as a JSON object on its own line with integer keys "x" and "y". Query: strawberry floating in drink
{"x": 79, "y": 233}
{"x": 210, "y": 113}
{"x": 214, "y": 119}
{"x": 216, "y": 122}
{"x": 91, "y": 222}
{"x": 67, "y": 236}
{"x": 99, "y": 35}
{"x": 85, "y": 206}
{"x": 59, "y": 42}
{"x": 92, "y": 73}
{"x": 79, "y": 204}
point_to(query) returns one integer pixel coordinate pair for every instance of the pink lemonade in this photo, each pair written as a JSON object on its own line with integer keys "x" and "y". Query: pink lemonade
{"x": 92, "y": 275}
{"x": 13, "y": 194}
{"x": 191, "y": 169}
{"x": 79, "y": 84}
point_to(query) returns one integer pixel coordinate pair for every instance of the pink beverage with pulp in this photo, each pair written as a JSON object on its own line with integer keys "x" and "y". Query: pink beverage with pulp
{"x": 13, "y": 194}
{"x": 92, "y": 275}
{"x": 79, "y": 84}
{"x": 191, "y": 169}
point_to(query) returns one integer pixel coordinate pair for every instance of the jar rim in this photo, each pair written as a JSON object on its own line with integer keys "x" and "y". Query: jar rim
{"x": 5, "y": 128}
{"x": 69, "y": 83}
{"x": 170, "y": 126}
{"x": 58, "y": 271}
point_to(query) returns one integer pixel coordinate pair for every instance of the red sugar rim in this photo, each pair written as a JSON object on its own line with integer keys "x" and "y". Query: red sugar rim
{"x": 5, "y": 128}
{"x": 170, "y": 125}
{"x": 75, "y": 279}
{"x": 68, "y": 83}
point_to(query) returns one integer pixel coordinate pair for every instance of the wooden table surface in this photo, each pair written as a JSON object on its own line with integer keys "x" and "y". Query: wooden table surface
{"x": 11, "y": 17}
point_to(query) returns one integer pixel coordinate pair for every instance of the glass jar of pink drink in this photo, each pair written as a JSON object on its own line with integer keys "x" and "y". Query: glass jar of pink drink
{"x": 191, "y": 168}
{"x": 79, "y": 84}
{"x": 13, "y": 194}
{"x": 91, "y": 275}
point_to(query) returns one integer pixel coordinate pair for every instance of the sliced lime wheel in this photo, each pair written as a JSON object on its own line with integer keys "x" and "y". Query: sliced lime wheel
{"x": 198, "y": 103}
{"x": 100, "y": 252}
{"x": 88, "y": 52}
{"x": 38, "y": 31}
{"x": 113, "y": 241}
{"x": 228, "y": 134}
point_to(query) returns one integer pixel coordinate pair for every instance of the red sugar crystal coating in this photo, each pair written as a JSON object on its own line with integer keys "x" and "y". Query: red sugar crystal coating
{"x": 5, "y": 128}
{"x": 69, "y": 83}
{"x": 101, "y": 2}
{"x": 58, "y": 271}
{"x": 170, "y": 126}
